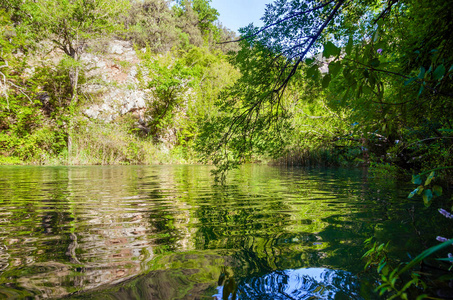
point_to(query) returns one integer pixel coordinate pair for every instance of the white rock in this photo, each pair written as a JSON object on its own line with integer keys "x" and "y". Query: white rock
{"x": 92, "y": 112}
{"x": 133, "y": 72}
{"x": 116, "y": 49}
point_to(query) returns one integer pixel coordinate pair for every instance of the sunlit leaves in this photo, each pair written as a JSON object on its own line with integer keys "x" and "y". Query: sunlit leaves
{"x": 417, "y": 191}
{"x": 427, "y": 191}
{"x": 430, "y": 178}
{"x": 427, "y": 197}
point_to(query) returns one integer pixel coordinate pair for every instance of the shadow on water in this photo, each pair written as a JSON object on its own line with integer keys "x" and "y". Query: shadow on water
{"x": 165, "y": 232}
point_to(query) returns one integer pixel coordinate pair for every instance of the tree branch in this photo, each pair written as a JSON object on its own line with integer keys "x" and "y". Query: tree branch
{"x": 313, "y": 40}
{"x": 278, "y": 22}
{"x": 421, "y": 82}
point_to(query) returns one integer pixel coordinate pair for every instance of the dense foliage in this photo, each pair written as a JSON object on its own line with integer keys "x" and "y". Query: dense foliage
{"x": 380, "y": 74}
{"x": 43, "y": 77}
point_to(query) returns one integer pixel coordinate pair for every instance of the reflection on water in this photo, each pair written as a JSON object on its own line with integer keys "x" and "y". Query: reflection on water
{"x": 166, "y": 232}
{"x": 305, "y": 283}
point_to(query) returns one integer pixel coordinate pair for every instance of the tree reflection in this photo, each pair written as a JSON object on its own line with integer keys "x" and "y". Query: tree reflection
{"x": 168, "y": 232}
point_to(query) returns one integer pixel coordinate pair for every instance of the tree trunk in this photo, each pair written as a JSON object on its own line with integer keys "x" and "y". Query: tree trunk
{"x": 74, "y": 80}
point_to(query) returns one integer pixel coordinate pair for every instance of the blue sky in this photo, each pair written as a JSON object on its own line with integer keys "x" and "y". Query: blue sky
{"x": 235, "y": 14}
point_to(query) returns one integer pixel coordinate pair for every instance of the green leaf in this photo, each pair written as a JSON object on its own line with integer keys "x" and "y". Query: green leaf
{"x": 326, "y": 81}
{"x": 330, "y": 50}
{"x": 437, "y": 190}
{"x": 349, "y": 46}
{"x": 312, "y": 71}
{"x": 416, "y": 179}
{"x": 439, "y": 72}
{"x": 424, "y": 255}
{"x": 375, "y": 62}
{"x": 334, "y": 68}
{"x": 368, "y": 240}
{"x": 427, "y": 197}
{"x": 413, "y": 193}
{"x": 366, "y": 74}
{"x": 421, "y": 90}
{"x": 409, "y": 81}
{"x": 430, "y": 178}
{"x": 420, "y": 189}
{"x": 421, "y": 75}
{"x": 359, "y": 91}
{"x": 445, "y": 259}
{"x": 385, "y": 271}
{"x": 372, "y": 80}
{"x": 393, "y": 281}
{"x": 381, "y": 266}
{"x": 366, "y": 89}
{"x": 347, "y": 73}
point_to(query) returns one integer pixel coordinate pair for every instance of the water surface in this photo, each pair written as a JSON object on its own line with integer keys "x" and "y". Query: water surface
{"x": 166, "y": 232}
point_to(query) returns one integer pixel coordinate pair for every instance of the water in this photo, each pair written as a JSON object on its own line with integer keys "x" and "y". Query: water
{"x": 166, "y": 232}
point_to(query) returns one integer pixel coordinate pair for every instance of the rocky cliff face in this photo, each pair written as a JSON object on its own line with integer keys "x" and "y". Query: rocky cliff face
{"x": 112, "y": 83}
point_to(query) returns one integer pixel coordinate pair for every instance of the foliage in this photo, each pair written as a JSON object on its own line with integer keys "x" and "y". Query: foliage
{"x": 26, "y": 132}
{"x": 394, "y": 282}
{"x": 426, "y": 189}
{"x": 185, "y": 86}
{"x": 151, "y": 23}
{"x": 371, "y": 72}
{"x": 196, "y": 14}
{"x": 42, "y": 102}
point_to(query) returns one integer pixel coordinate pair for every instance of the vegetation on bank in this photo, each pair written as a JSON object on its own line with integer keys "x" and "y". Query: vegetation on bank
{"x": 369, "y": 84}
{"x": 182, "y": 69}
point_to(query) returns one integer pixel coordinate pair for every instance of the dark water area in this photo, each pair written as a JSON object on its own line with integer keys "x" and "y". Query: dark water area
{"x": 167, "y": 232}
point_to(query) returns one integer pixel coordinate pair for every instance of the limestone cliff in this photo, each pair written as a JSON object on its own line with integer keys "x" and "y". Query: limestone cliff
{"x": 112, "y": 82}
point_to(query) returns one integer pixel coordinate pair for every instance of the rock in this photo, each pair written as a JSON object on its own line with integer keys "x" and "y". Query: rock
{"x": 116, "y": 49}
{"x": 114, "y": 85}
{"x": 91, "y": 113}
{"x": 133, "y": 72}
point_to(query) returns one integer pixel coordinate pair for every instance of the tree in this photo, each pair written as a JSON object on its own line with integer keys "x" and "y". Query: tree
{"x": 196, "y": 20}
{"x": 69, "y": 24}
{"x": 381, "y": 61}
{"x": 151, "y": 23}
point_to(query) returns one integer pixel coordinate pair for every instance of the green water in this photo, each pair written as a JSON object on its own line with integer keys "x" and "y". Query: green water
{"x": 166, "y": 232}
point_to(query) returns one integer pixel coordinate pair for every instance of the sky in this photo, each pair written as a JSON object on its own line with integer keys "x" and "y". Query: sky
{"x": 235, "y": 14}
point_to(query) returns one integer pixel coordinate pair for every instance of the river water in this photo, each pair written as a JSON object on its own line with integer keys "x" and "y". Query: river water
{"x": 167, "y": 232}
